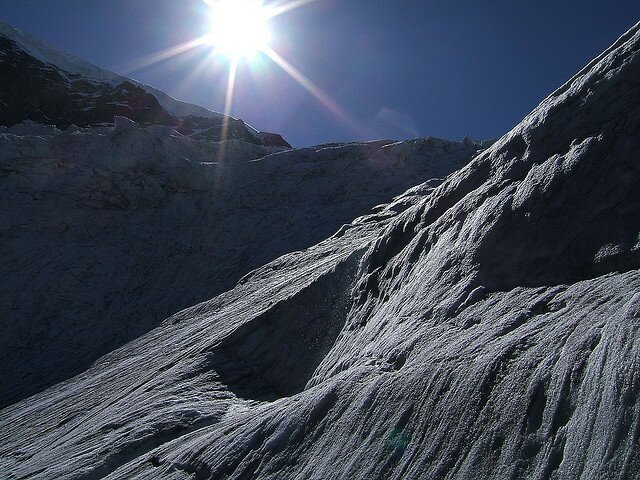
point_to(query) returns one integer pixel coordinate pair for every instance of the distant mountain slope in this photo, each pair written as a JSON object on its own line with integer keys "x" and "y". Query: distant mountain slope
{"x": 488, "y": 328}
{"x": 46, "y": 85}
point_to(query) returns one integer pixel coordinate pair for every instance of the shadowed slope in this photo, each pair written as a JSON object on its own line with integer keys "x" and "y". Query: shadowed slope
{"x": 109, "y": 232}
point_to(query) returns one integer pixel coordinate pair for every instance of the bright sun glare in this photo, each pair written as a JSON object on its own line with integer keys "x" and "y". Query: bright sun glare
{"x": 239, "y": 31}
{"x": 239, "y": 27}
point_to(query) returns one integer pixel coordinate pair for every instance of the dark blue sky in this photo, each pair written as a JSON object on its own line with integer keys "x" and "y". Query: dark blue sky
{"x": 399, "y": 69}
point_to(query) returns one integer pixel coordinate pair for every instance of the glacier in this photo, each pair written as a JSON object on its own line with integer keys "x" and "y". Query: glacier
{"x": 482, "y": 325}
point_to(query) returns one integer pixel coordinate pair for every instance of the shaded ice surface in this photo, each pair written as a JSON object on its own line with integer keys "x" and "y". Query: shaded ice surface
{"x": 108, "y": 231}
{"x": 487, "y": 328}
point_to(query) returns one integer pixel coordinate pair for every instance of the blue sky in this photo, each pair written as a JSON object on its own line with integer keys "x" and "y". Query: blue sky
{"x": 398, "y": 69}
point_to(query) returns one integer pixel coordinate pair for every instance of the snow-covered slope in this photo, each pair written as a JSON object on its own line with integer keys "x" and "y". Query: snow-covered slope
{"x": 106, "y": 232}
{"x": 485, "y": 329}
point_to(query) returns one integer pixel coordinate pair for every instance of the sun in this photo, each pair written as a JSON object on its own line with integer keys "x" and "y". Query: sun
{"x": 239, "y": 28}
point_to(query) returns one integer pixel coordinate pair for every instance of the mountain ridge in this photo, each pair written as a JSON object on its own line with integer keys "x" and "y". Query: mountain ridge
{"x": 73, "y": 64}
{"x": 47, "y": 85}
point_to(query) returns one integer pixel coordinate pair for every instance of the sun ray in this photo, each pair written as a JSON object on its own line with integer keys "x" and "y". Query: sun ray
{"x": 164, "y": 55}
{"x": 308, "y": 85}
{"x": 233, "y": 68}
{"x": 228, "y": 103}
{"x": 185, "y": 84}
{"x": 276, "y": 10}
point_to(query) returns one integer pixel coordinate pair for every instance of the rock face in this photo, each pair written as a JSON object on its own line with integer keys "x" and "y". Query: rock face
{"x": 44, "y": 85}
{"x": 487, "y": 328}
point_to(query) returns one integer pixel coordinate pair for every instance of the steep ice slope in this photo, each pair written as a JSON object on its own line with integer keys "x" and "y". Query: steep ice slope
{"x": 106, "y": 232}
{"x": 490, "y": 330}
